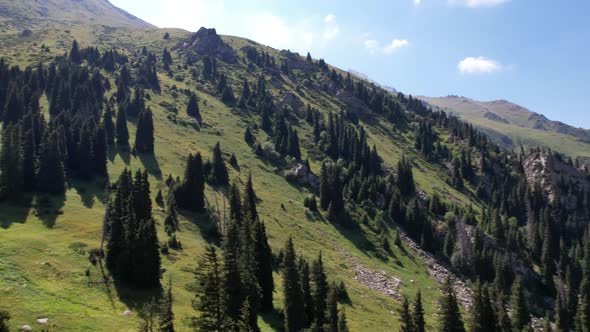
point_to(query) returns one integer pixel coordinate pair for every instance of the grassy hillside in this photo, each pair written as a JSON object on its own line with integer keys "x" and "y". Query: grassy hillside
{"x": 43, "y": 248}
{"x": 512, "y": 125}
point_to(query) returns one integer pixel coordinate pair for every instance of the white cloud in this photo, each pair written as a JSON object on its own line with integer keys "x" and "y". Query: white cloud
{"x": 478, "y": 65}
{"x": 272, "y": 30}
{"x": 417, "y": 2}
{"x": 395, "y": 45}
{"x": 331, "y": 28}
{"x": 478, "y": 3}
{"x": 372, "y": 45}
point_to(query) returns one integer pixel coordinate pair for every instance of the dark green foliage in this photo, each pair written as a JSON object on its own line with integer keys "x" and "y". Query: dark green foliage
{"x": 75, "y": 53}
{"x": 450, "y": 318}
{"x": 191, "y": 194}
{"x": 418, "y": 314}
{"x": 343, "y": 322}
{"x": 50, "y": 172}
{"x": 219, "y": 174}
{"x": 320, "y": 290}
{"x": 249, "y": 137}
{"x": 192, "y": 108}
{"x": 122, "y": 134}
{"x": 405, "y": 178}
{"x": 294, "y": 305}
{"x": 99, "y": 150}
{"x": 109, "y": 126}
{"x": 405, "y": 317}
{"x": 133, "y": 248}
{"x": 520, "y": 316}
{"x": 483, "y": 315}
{"x": 209, "y": 295}
{"x": 144, "y": 136}
{"x": 166, "y": 320}
{"x": 263, "y": 258}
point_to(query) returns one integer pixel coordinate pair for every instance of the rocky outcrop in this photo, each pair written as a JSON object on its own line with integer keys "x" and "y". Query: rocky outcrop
{"x": 495, "y": 117}
{"x": 289, "y": 98}
{"x": 555, "y": 177}
{"x": 303, "y": 175}
{"x": 206, "y": 42}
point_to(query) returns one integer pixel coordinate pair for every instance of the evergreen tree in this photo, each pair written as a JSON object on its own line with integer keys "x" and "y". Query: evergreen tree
{"x": 450, "y": 318}
{"x": 144, "y": 136}
{"x": 122, "y": 134}
{"x": 99, "y": 149}
{"x": 209, "y": 295}
{"x": 50, "y": 170}
{"x": 342, "y": 322}
{"x": 306, "y": 289}
{"x": 191, "y": 195}
{"x": 263, "y": 259}
{"x": 332, "y": 309}
{"x": 75, "y": 56}
{"x": 405, "y": 318}
{"x": 220, "y": 176}
{"x": 4, "y": 318}
{"x": 483, "y": 318}
{"x": 294, "y": 306}
{"x": 249, "y": 205}
{"x": 109, "y": 126}
{"x": 320, "y": 291}
{"x": 418, "y": 314}
{"x": 166, "y": 321}
{"x": 192, "y": 108}
{"x": 520, "y": 313}
{"x": 249, "y": 137}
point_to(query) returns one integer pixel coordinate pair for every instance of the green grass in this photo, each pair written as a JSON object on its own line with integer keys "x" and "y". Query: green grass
{"x": 59, "y": 289}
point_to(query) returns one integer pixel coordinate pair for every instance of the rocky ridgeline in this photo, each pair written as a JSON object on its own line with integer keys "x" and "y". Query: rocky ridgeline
{"x": 206, "y": 42}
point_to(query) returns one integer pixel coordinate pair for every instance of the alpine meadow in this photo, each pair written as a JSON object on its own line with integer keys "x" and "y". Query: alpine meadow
{"x": 156, "y": 179}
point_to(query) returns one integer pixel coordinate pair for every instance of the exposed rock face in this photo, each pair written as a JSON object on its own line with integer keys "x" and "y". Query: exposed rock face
{"x": 289, "y": 98}
{"x": 304, "y": 176}
{"x": 206, "y": 42}
{"x": 554, "y": 176}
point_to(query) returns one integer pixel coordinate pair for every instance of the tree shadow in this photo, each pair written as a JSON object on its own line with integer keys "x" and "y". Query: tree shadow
{"x": 14, "y": 211}
{"x": 150, "y": 163}
{"x": 89, "y": 191}
{"x": 125, "y": 155}
{"x": 134, "y": 298}
{"x": 206, "y": 223}
{"x": 274, "y": 319}
{"x": 49, "y": 207}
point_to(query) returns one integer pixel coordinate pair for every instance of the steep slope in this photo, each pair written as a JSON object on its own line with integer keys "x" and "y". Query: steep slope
{"x": 513, "y": 125}
{"x": 43, "y": 251}
{"x": 35, "y": 14}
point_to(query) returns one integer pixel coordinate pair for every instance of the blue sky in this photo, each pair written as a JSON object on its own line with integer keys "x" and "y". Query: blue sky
{"x": 531, "y": 52}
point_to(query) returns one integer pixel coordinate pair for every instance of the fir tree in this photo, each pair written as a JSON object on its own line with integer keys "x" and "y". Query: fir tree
{"x": 320, "y": 290}
{"x": 520, "y": 313}
{"x": 450, "y": 317}
{"x": 109, "y": 126}
{"x": 166, "y": 321}
{"x": 220, "y": 176}
{"x": 50, "y": 170}
{"x": 144, "y": 136}
{"x": 405, "y": 318}
{"x": 209, "y": 295}
{"x": 418, "y": 314}
{"x": 294, "y": 306}
{"x": 332, "y": 309}
{"x": 122, "y": 134}
{"x": 192, "y": 108}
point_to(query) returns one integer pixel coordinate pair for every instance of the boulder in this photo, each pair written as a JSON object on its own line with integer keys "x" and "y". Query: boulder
{"x": 25, "y": 328}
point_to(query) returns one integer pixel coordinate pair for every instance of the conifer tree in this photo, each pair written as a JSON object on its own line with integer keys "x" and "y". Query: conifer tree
{"x": 263, "y": 261}
{"x": 450, "y": 318}
{"x": 209, "y": 295}
{"x": 122, "y": 134}
{"x": 520, "y": 313}
{"x": 192, "y": 108}
{"x": 342, "y": 322}
{"x": 50, "y": 170}
{"x": 231, "y": 273}
{"x": 220, "y": 176}
{"x": 99, "y": 149}
{"x": 144, "y": 136}
{"x": 483, "y": 318}
{"x": 109, "y": 126}
{"x": 306, "y": 289}
{"x": 294, "y": 306}
{"x": 320, "y": 290}
{"x": 249, "y": 205}
{"x": 332, "y": 309}
{"x": 249, "y": 137}
{"x": 4, "y": 318}
{"x": 166, "y": 321}
{"x": 405, "y": 317}
{"x": 75, "y": 56}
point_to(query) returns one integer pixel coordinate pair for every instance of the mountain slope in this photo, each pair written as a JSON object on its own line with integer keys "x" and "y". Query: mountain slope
{"x": 35, "y": 14}
{"x": 513, "y": 125}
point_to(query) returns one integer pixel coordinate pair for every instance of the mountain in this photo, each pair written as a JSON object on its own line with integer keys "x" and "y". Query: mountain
{"x": 513, "y": 125}
{"x": 243, "y": 149}
{"x": 36, "y": 14}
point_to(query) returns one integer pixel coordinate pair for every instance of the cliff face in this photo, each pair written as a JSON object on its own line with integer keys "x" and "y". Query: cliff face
{"x": 557, "y": 178}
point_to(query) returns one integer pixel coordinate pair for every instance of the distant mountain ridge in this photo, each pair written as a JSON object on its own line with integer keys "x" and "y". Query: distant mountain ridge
{"x": 31, "y": 14}
{"x": 501, "y": 118}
